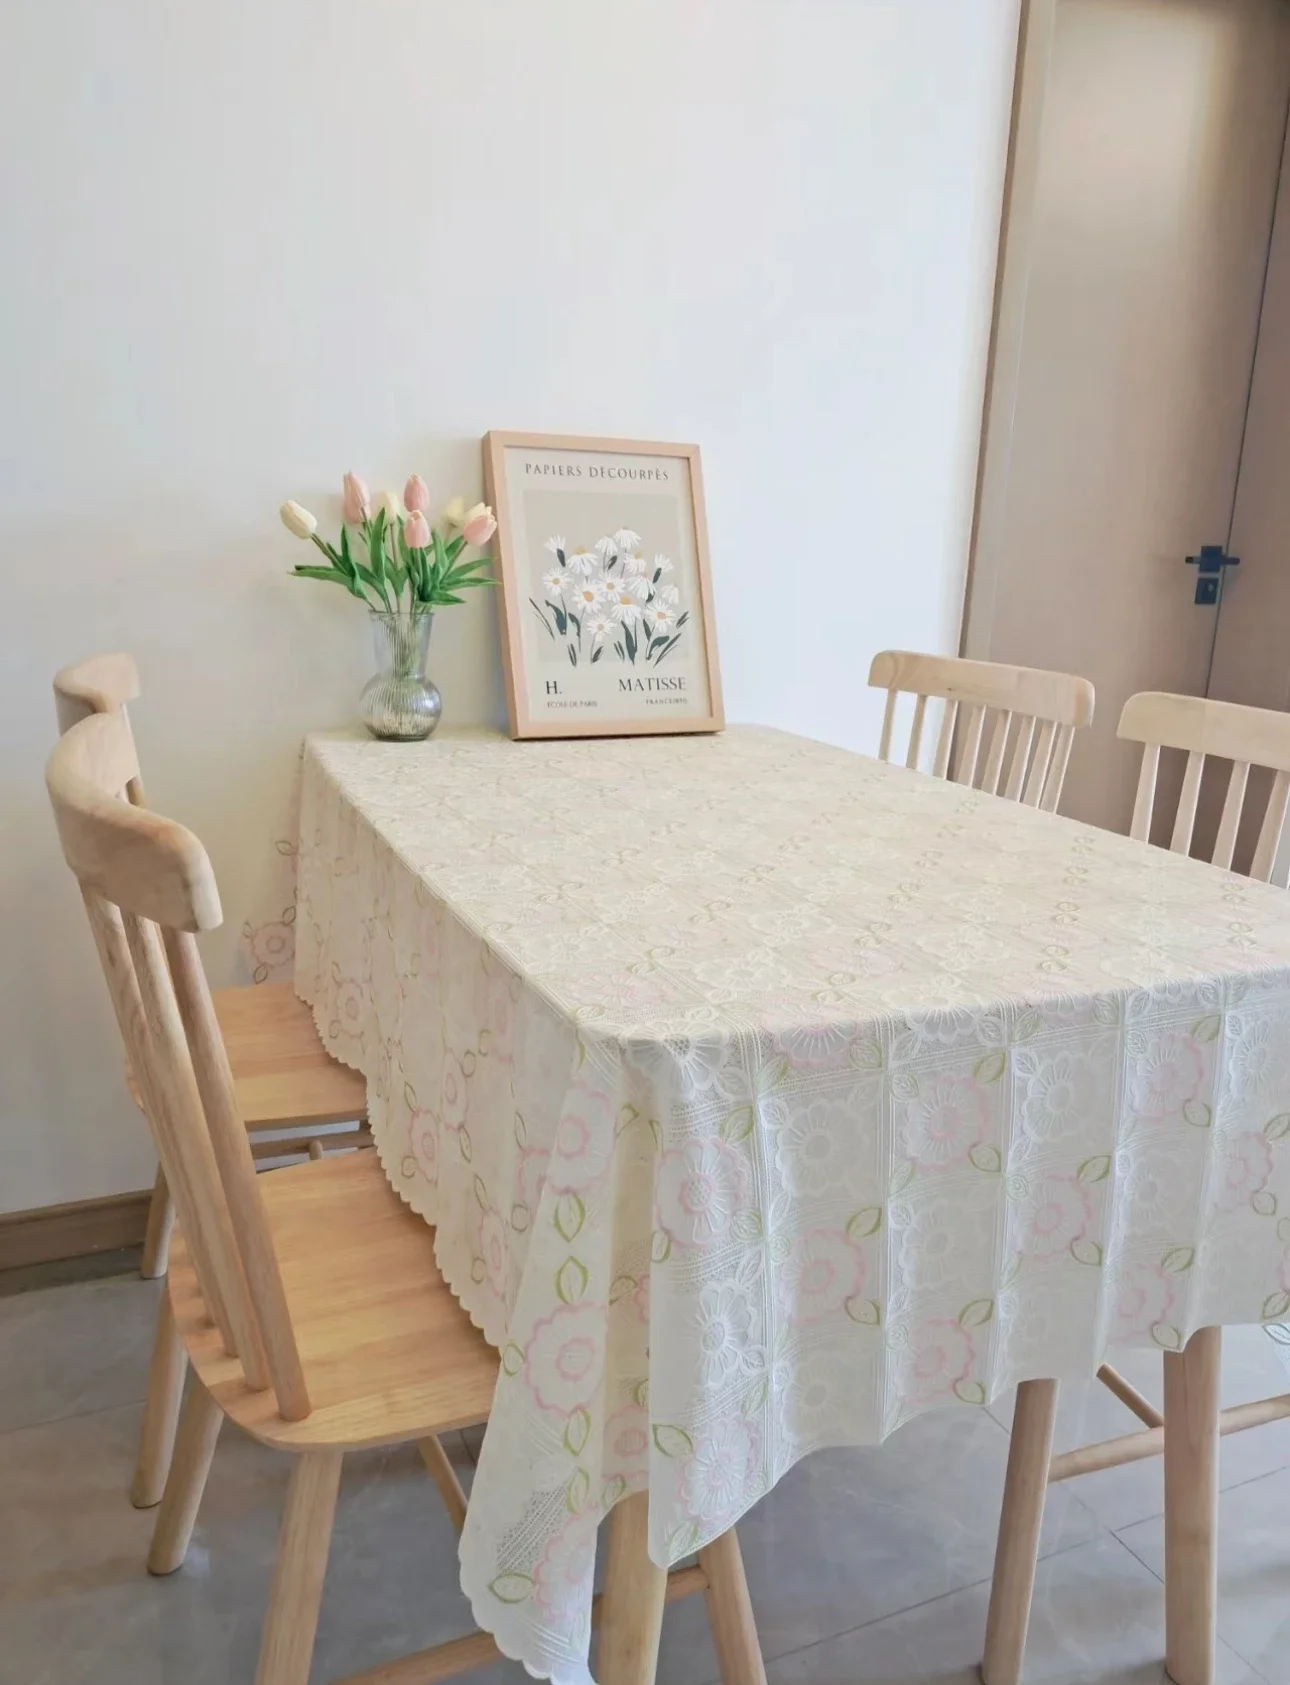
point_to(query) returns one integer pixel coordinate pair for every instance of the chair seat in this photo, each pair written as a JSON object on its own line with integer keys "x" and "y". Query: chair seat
{"x": 282, "y": 1073}
{"x": 388, "y": 1353}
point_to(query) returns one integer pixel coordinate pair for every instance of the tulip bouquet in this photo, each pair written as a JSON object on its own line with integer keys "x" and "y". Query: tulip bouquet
{"x": 398, "y": 562}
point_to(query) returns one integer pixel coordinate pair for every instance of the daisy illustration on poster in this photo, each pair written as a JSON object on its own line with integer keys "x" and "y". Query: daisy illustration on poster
{"x": 606, "y": 601}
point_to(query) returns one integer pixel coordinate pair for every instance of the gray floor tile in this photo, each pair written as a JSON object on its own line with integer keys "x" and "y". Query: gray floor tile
{"x": 1253, "y": 1570}
{"x": 850, "y": 1536}
{"x": 78, "y": 1608}
{"x": 1087, "y": 1412}
{"x": 1098, "y": 1619}
{"x": 69, "y": 1349}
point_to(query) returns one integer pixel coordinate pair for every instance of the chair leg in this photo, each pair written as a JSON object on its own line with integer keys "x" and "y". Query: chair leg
{"x": 160, "y": 1409}
{"x": 156, "y": 1239}
{"x": 1191, "y": 1507}
{"x": 1017, "y": 1551}
{"x": 194, "y": 1447}
{"x": 444, "y": 1476}
{"x": 631, "y": 1619}
{"x": 730, "y": 1613}
{"x": 287, "y": 1647}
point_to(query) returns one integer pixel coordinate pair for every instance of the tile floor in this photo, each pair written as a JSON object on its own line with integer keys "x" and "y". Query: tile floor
{"x": 866, "y": 1567}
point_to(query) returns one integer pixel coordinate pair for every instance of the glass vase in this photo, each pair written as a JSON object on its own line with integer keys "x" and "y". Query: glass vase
{"x": 399, "y": 704}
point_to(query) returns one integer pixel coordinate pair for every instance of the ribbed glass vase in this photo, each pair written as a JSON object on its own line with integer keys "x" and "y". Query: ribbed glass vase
{"x": 399, "y": 704}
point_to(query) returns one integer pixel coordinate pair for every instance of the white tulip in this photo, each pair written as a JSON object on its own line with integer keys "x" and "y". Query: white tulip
{"x": 393, "y": 508}
{"x": 454, "y": 513}
{"x": 298, "y": 520}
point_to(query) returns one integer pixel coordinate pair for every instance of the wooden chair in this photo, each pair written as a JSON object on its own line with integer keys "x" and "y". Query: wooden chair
{"x": 1187, "y": 1431}
{"x": 308, "y": 1301}
{"x": 285, "y": 1079}
{"x": 1030, "y": 765}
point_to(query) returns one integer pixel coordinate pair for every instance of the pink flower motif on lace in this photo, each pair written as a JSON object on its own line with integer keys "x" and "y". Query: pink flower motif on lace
{"x": 941, "y": 1354}
{"x": 491, "y": 1238}
{"x": 1167, "y": 1076}
{"x": 822, "y": 1271}
{"x": 1244, "y": 1171}
{"x": 701, "y": 1188}
{"x": 948, "y": 1117}
{"x": 500, "y": 1010}
{"x": 562, "y": 1577}
{"x": 273, "y": 946}
{"x": 564, "y": 1360}
{"x": 627, "y": 1444}
{"x": 347, "y": 1018}
{"x": 584, "y": 1140}
{"x": 423, "y": 1137}
{"x": 1055, "y": 1212}
{"x": 717, "y": 1479}
{"x": 1146, "y": 1297}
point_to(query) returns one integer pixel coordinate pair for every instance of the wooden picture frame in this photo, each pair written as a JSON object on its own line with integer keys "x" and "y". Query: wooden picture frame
{"x": 623, "y": 521}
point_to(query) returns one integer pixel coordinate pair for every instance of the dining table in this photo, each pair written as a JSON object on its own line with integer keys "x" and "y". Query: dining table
{"x": 764, "y": 1096}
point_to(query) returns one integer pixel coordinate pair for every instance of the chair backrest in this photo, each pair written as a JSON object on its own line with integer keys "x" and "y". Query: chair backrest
{"x": 148, "y": 887}
{"x": 103, "y": 684}
{"x": 1032, "y": 767}
{"x": 1245, "y": 736}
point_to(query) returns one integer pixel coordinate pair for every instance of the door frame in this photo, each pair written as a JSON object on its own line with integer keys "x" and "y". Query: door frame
{"x": 1036, "y": 26}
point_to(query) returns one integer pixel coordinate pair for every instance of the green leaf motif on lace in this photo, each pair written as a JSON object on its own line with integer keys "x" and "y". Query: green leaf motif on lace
{"x": 867, "y": 1312}
{"x": 576, "y": 1432}
{"x": 672, "y": 1441}
{"x": 865, "y": 1223}
{"x": 991, "y": 1067}
{"x": 577, "y": 1491}
{"x": 570, "y": 1215}
{"x": 571, "y": 1281}
{"x": 512, "y": 1588}
{"x": 976, "y": 1313}
{"x": 1095, "y": 1169}
{"x": 738, "y": 1125}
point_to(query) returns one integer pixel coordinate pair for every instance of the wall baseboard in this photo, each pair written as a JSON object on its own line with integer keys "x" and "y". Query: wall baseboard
{"x": 51, "y": 1233}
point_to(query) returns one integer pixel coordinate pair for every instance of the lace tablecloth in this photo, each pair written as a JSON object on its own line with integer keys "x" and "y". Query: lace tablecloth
{"x": 765, "y": 1096}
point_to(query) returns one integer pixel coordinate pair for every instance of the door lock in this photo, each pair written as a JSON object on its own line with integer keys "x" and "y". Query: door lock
{"x": 1209, "y": 564}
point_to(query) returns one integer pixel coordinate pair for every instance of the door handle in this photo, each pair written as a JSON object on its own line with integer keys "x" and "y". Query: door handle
{"x": 1209, "y": 567}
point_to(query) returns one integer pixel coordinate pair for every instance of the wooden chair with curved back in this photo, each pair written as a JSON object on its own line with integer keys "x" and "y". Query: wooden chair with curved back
{"x": 284, "y": 1076}
{"x": 1035, "y": 717}
{"x": 308, "y": 1301}
{"x": 1186, "y": 1432}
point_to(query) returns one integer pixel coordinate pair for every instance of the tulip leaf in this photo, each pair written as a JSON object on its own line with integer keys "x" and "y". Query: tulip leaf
{"x": 454, "y": 549}
{"x": 346, "y": 560}
{"x": 441, "y": 562}
{"x": 376, "y": 546}
{"x": 333, "y": 574}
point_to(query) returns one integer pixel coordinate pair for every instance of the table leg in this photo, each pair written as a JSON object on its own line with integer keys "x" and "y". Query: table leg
{"x": 1191, "y": 1507}
{"x": 632, "y": 1611}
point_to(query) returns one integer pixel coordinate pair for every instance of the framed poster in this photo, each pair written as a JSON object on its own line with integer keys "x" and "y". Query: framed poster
{"x": 606, "y": 600}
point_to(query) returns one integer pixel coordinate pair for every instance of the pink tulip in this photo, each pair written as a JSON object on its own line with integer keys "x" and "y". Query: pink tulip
{"x": 357, "y": 503}
{"x": 416, "y": 496}
{"x": 479, "y": 525}
{"x": 416, "y": 529}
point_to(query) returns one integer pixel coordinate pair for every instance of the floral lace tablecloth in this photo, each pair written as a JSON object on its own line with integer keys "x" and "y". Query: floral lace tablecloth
{"x": 765, "y": 1096}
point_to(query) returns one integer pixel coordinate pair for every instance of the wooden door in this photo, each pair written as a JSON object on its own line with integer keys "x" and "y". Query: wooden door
{"x": 1147, "y": 145}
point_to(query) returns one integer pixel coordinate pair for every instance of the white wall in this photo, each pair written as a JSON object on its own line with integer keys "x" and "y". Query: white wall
{"x": 252, "y": 244}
